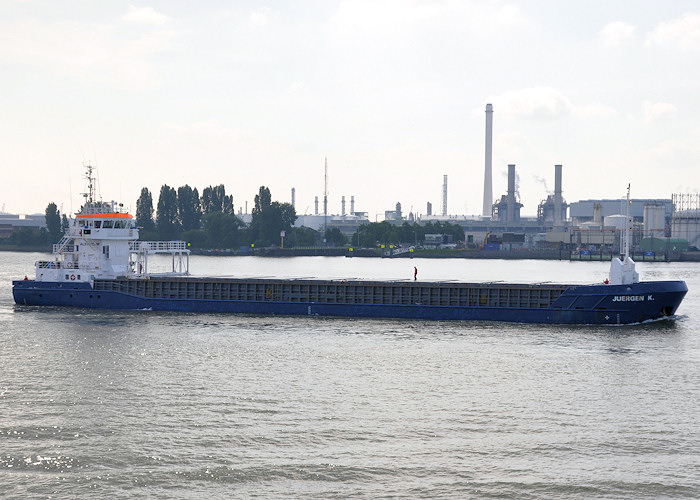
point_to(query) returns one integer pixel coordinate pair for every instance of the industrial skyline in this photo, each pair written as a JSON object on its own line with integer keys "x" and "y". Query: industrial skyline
{"x": 392, "y": 93}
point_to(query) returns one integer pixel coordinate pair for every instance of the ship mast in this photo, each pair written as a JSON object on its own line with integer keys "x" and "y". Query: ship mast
{"x": 90, "y": 195}
{"x": 627, "y": 225}
{"x": 92, "y": 205}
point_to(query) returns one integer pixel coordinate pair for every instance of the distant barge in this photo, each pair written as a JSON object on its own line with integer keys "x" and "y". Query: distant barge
{"x": 100, "y": 263}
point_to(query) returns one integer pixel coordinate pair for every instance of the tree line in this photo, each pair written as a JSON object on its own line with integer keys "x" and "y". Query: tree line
{"x": 208, "y": 221}
{"x": 385, "y": 233}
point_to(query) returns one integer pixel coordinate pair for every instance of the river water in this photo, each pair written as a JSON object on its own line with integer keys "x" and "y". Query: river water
{"x": 97, "y": 404}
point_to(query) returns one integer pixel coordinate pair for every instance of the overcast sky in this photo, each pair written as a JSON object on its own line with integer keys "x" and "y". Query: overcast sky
{"x": 251, "y": 93}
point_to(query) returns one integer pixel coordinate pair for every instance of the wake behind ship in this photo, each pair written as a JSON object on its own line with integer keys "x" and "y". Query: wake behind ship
{"x": 100, "y": 263}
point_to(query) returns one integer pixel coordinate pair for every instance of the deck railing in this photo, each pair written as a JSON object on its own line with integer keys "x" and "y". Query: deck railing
{"x": 158, "y": 246}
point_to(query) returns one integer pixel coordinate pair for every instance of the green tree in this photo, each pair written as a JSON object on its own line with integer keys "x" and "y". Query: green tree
{"x": 455, "y": 230}
{"x": 262, "y": 200}
{"x": 214, "y": 199}
{"x": 334, "y": 237}
{"x": 27, "y": 237}
{"x": 195, "y": 238}
{"x": 270, "y": 219}
{"x": 385, "y": 233}
{"x": 166, "y": 215}
{"x": 301, "y": 237}
{"x": 189, "y": 208}
{"x": 53, "y": 223}
{"x": 144, "y": 210}
{"x": 222, "y": 230}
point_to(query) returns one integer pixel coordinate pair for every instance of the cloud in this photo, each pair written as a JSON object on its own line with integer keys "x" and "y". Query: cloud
{"x": 658, "y": 110}
{"x": 145, "y": 15}
{"x": 207, "y": 133}
{"x": 544, "y": 104}
{"x": 683, "y": 32}
{"x": 616, "y": 33}
{"x": 261, "y": 17}
{"x": 594, "y": 110}
{"x": 537, "y": 103}
{"x": 87, "y": 51}
{"x": 395, "y": 21}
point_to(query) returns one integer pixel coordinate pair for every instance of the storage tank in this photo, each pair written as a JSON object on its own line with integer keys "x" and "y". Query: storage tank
{"x": 654, "y": 220}
{"x": 686, "y": 224}
{"x": 616, "y": 221}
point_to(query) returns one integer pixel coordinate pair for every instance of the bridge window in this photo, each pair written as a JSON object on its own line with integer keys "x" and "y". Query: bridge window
{"x": 108, "y": 224}
{"x": 98, "y": 223}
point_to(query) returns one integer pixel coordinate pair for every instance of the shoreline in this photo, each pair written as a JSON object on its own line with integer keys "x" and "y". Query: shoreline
{"x": 421, "y": 254}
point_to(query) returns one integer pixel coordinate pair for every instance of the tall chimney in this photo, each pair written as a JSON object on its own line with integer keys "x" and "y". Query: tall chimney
{"x": 557, "y": 195}
{"x": 352, "y": 205}
{"x": 444, "y": 195}
{"x": 342, "y": 206}
{"x": 511, "y": 194}
{"x": 293, "y": 198}
{"x": 316, "y": 205}
{"x": 325, "y": 189}
{"x": 488, "y": 189}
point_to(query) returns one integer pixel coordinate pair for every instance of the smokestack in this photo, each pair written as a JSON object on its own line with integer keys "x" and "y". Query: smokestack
{"x": 352, "y": 205}
{"x": 325, "y": 189}
{"x": 511, "y": 194}
{"x": 557, "y": 195}
{"x": 429, "y": 209}
{"x": 316, "y": 205}
{"x": 488, "y": 189}
{"x": 294, "y": 205}
{"x": 342, "y": 206}
{"x": 444, "y": 195}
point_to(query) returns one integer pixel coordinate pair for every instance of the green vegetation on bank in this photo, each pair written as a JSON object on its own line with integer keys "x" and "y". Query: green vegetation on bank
{"x": 208, "y": 221}
{"x": 56, "y": 225}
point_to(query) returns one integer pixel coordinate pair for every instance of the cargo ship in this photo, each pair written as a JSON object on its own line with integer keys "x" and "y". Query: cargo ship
{"x": 101, "y": 263}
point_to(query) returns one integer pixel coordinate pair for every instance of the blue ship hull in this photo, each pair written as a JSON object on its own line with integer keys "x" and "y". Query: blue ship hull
{"x": 584, "y": 304}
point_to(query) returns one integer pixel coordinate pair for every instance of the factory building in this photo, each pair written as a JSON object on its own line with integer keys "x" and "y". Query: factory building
{"x": 10, "y": 223}
{"x": 589, "y": 210}
{"x": 508, "y": 208}
{"x": 685, "y": 223}
{"x": 587, "y": 224}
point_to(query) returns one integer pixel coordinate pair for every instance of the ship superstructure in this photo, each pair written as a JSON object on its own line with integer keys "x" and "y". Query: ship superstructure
{"x": 102, "y": 242}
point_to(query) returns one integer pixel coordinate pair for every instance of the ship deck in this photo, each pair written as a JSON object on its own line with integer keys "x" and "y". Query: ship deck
{"x": 446, "y": 293}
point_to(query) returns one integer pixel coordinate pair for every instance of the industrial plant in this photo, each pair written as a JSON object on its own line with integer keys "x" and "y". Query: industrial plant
{"x": 588, "y": 226}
